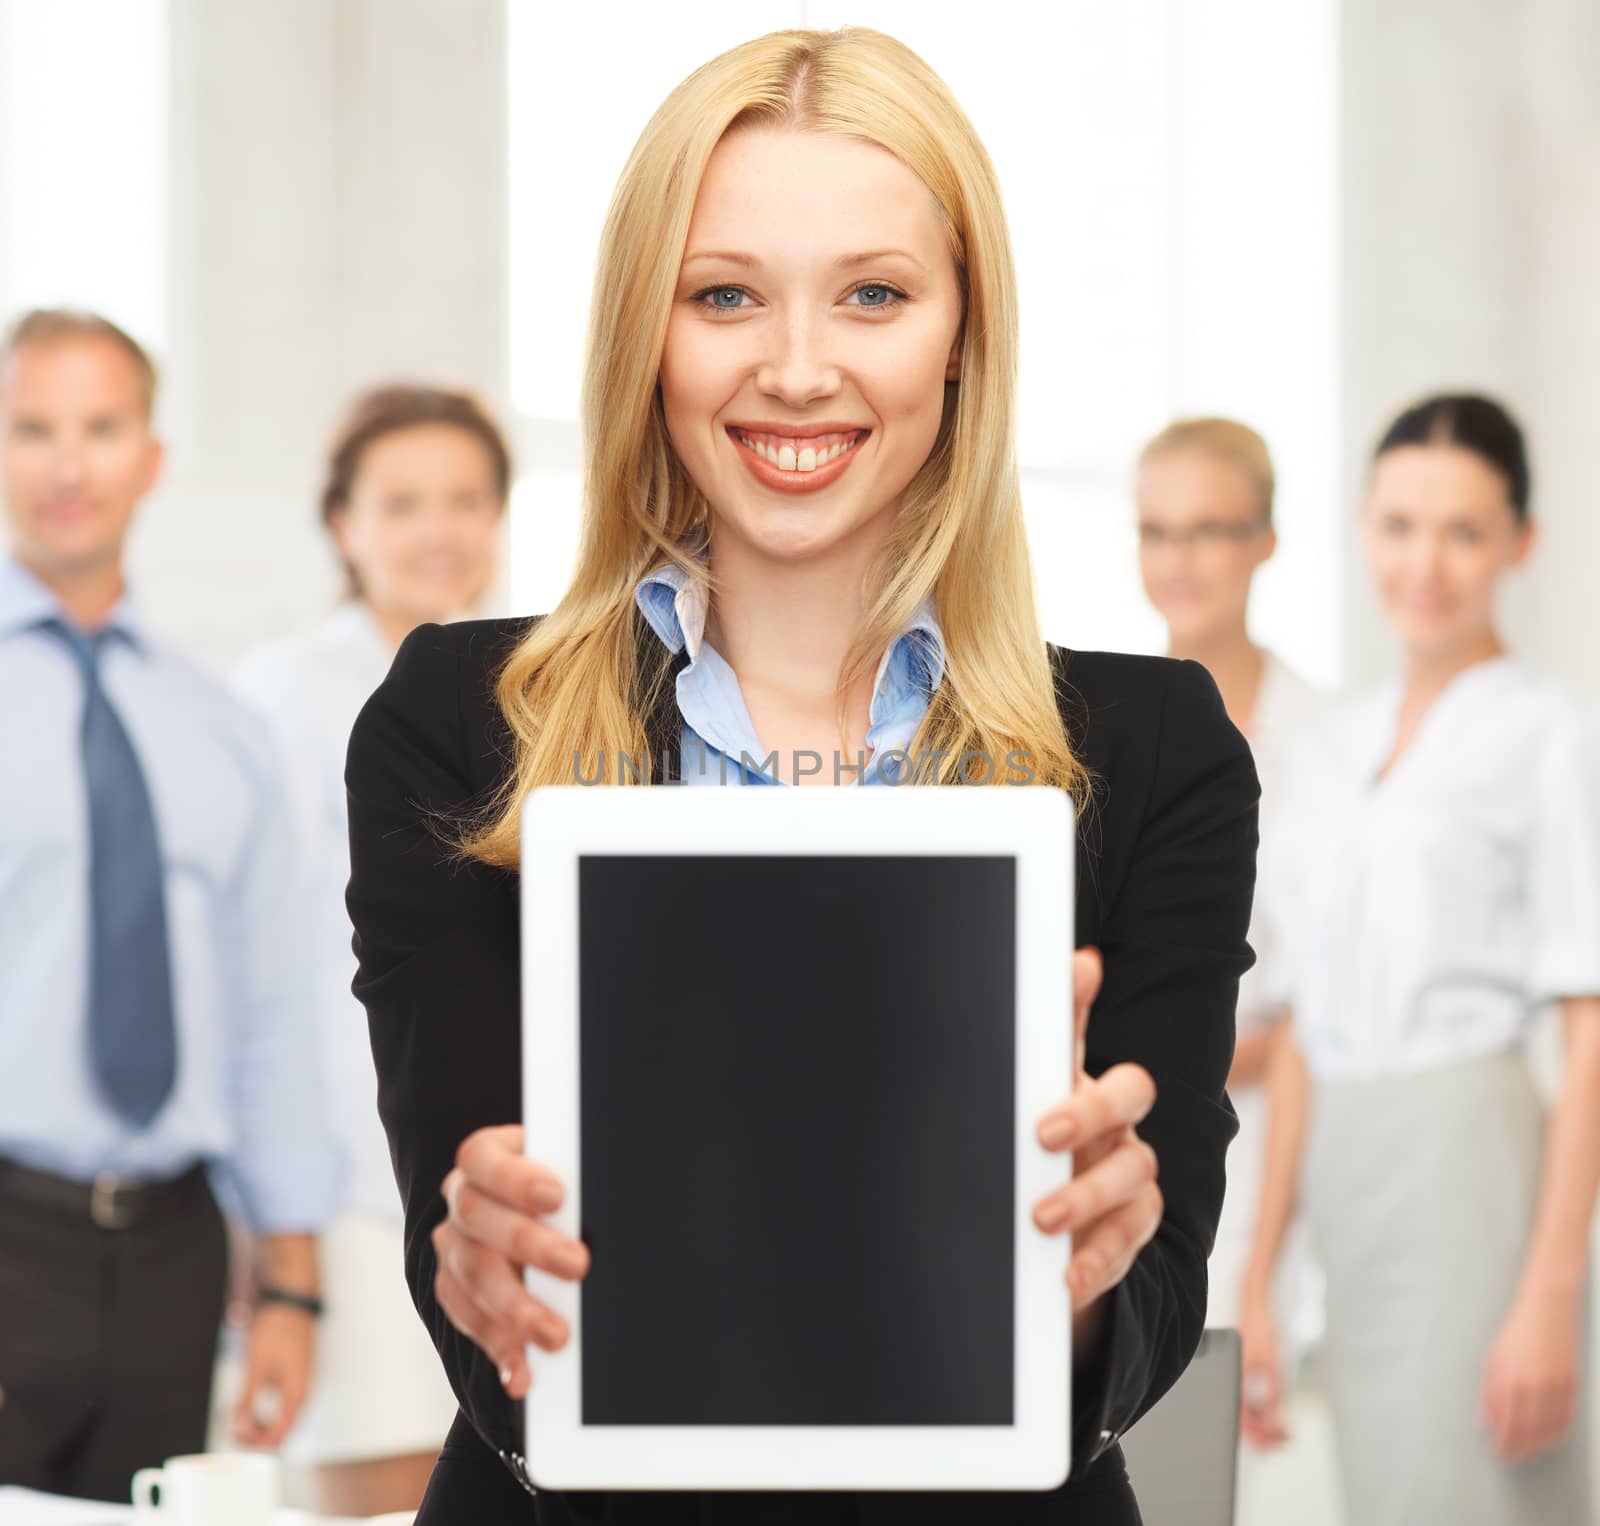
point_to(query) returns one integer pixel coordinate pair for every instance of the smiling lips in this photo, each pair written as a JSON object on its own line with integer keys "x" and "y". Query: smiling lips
{"x": 797, "y": 463}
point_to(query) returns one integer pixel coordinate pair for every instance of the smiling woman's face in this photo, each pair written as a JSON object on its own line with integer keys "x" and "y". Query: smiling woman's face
{"x": 1440, "y": 531}
{"x": 815, "y": 323}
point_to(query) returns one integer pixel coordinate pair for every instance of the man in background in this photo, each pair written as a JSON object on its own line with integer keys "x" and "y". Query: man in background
{"x": 154, "y": 1020}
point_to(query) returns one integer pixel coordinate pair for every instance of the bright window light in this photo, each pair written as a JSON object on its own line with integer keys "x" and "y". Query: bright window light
{"x": 83, "y": 159}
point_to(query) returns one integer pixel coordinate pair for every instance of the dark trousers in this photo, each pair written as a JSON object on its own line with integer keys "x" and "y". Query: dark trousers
{"x": 109, "y": 1313}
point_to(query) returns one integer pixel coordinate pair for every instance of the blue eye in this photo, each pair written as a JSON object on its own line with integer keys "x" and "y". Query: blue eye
{"x": 722, "y": 299}
{"x": 876, "y": 295}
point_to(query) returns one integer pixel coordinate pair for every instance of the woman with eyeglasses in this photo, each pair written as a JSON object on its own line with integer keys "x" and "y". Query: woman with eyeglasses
{"x": 1204, "y": 491}
{"x": 1440, "y": 886}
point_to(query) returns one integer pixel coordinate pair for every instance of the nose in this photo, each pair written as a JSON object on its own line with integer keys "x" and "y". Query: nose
{"x": 1427, "y": 559}
{"x": 436, "y": 527}
{"x": 67, "y": 465}
{"x": 797, "y": 369}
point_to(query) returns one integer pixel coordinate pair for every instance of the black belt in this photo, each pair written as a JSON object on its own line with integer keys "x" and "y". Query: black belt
{"x": 110, "y": 1201}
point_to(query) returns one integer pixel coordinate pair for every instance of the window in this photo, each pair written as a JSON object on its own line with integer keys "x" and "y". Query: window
{"x": 1170, "y": 178}
{"x": 83, "y": 159}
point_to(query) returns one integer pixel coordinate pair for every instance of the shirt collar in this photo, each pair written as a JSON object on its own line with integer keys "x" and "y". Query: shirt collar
{"x": 26, "y": 600}
{"x": 353, "y": 623}
{"x": 674, "y": 604}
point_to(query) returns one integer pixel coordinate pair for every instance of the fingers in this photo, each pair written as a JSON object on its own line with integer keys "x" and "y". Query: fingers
{"x": 483, "y": 1296}
{"x": 1102, "y": 1254}
{"x": 278, "y": 1360}
{"x": 245, "y": 1425}
{"x": 494, "y": 1196}
{"x": 1087, "y": 970}
{"x": 512, "y": 1232}
{"x": 1512, "y": 1430}
{"x": 1115, "y": 1179}
{"x": 491, "y": 1160}
{"x": 500, "y": 1342}
{"x": 266, "y": 1409}
{"x": 1556, "y": 1412}
{"x": 1518, "y": 1426}
{"x": 1261, "y": 1406}
{"x": 1527, "y": 1419}
{"x": 272, "y": 1433}
{"x": 1263, "y": 1429}
{"x": 1120, "y": 1098}
{"x": 495, "y": 1285}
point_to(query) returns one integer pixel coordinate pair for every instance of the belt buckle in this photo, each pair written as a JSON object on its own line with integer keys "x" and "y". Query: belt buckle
{"x": 103, "y": 1206}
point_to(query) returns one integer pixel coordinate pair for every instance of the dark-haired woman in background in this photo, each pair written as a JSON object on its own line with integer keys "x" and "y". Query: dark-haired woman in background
{"x": 416, "y": 489}
{"x": 1440, "y": 884}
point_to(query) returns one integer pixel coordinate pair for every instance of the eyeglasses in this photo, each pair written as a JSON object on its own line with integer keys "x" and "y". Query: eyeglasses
{"x": 1208, "y": 532}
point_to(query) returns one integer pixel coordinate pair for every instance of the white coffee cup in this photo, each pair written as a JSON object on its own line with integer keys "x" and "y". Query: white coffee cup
{"x": 209, "y": 1489}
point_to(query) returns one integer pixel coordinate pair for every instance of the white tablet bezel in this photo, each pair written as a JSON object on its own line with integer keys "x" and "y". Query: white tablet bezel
{"x": 1033, "y": 825}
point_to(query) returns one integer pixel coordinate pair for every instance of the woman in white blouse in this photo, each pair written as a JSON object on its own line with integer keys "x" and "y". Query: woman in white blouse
{"x": 416, "y": 490}
{"x": 1204, "y": 492}
{"x": 1439, "y": 886}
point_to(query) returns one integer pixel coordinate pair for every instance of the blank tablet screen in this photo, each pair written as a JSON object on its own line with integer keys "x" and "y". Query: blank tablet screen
{"x": 798, "y": 1139}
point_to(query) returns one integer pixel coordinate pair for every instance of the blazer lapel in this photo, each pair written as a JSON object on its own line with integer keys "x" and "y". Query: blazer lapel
{"x": 663, "y": 725}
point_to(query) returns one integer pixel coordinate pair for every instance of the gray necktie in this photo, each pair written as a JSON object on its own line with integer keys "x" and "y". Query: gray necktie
{"x": 132, "y": 1047}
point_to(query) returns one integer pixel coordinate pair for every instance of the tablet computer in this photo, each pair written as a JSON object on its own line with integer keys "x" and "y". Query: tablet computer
{"x": 787, "y": 1051}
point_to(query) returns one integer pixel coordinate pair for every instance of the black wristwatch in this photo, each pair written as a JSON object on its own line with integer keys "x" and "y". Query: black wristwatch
{"x": 306, "y": 1303}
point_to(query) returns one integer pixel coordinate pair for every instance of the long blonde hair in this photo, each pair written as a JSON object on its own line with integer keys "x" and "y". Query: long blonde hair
{"x": 580, "y": 684}
{"x": 1223, "y": 440}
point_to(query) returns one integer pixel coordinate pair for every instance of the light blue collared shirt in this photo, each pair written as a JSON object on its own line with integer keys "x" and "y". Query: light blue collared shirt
{"x": 719, "y": 742}
{"x": 246, "y": 1096}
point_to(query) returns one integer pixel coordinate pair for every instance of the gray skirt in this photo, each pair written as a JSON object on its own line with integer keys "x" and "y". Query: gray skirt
{"x": 1420, "y": 1192}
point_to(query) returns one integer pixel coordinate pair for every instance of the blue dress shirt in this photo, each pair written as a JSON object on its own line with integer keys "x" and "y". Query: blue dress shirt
{"x": 719, "y": 742}
{"x": 246, "y": 1096}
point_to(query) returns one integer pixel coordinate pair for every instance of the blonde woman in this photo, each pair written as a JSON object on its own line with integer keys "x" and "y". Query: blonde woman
{"x": 802, "y": 535}
{"x": 1204, "y": 490}
{"x": 413, "y": 498}
{"x": 1439, "y": 883}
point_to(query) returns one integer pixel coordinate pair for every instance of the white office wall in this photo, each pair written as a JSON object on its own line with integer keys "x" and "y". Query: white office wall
{"x": 339, "y": 220}
{"x": 1471, "y": 238}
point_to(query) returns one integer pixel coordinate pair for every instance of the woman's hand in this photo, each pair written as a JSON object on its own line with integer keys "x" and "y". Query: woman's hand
{"x": 1261, "y": 1393}
{"x": 1530, "y": 1384}
{"x": 1112, "y": 1204}
{"x": 494, "y": 1229}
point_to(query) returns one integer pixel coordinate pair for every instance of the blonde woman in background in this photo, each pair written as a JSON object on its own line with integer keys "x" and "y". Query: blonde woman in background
{"x": 1205, "y": 496}
{"x": 415, "y": 493}
{"x": 1439, "y": 884}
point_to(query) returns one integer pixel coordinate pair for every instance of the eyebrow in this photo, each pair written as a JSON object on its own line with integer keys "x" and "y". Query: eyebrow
{"x": 844, "y": 262}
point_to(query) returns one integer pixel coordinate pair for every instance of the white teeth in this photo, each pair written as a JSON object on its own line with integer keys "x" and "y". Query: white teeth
{"x": 787, "y": 459}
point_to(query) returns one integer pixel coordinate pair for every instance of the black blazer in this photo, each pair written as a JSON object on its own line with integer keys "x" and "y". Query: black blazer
{"x": 1165, "y": 875}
